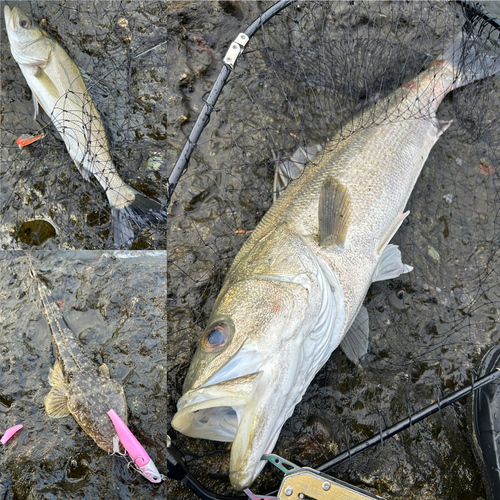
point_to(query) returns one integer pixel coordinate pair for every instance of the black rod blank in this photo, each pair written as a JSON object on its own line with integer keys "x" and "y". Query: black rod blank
{"x": 412, "y": 419}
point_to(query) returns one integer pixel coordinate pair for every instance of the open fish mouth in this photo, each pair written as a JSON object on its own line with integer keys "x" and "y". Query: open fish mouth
{"x": 215, "y": 412}
{"x": 233, "y": 410}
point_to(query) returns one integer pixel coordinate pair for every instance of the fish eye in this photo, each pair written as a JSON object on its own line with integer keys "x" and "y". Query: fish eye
{"x": 25, "y": 23}
{"x": 215, "y": 337}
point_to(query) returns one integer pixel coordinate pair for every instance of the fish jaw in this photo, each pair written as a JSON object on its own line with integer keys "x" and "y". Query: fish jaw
{"x": 246, "y": 392}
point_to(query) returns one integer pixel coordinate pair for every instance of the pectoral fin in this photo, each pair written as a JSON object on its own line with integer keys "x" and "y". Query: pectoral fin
{"x": 56, "y": 376}
{"x": 47, "y": 83}
{"x": 355, "y": 342}
{"x": 56, "y": 403}
{"x": 334, "y": 213}
{"x": 35, "y": 106}
{"x": 390, "y": 265}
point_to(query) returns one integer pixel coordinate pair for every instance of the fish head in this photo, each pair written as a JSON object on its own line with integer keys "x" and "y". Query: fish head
{"x": 240, "y": 382}
{"x": 29, "y": 43}
{"x": 91, "y": 415}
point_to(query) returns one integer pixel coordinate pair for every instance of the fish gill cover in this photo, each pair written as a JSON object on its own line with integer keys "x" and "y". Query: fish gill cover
{"x": 119, "y": 47}
{"x": 302, "y": 76}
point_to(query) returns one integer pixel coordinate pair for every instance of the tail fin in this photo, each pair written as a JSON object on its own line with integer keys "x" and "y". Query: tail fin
{"x": 468, "y": 60}
{"x": 142, "y": 211}
{"x": 123, "y": 233}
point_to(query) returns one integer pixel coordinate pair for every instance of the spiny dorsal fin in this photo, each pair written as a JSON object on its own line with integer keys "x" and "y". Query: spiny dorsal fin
{"x": 334, "y": 213}
{"x": 56, "y": 377}
{"x": 355, "y": 342}
{"x": 56, "y": 403}
{"x": 290, "y": 169}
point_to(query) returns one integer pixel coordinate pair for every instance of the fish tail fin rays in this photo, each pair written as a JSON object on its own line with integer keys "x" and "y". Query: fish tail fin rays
{"x": 142, "y": 211}
{"x": 123, "y": 233}
{"x": 469, "y": 63}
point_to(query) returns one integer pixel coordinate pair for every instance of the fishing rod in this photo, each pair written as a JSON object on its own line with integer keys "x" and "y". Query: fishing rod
{"x": 178, "y": 470}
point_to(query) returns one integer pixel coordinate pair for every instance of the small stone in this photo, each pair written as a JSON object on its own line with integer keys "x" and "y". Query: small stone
{"x": 433, "y": 253}
{"x": 155, "y": 162}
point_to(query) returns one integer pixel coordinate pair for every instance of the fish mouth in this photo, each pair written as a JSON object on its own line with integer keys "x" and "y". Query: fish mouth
{"x": 246, "y": 410}
{"x": 233, "y": 410}
{"x": 214, "y": 412}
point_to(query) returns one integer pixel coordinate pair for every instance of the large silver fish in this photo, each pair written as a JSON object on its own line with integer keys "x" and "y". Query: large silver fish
{"x": 79, "y": 386}
{"x": 58, "y": 87}
{"x": 295, "y": 291}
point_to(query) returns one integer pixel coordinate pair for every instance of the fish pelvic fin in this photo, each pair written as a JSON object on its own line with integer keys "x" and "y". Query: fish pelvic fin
{"x": 390, "y": 265}
{"x": 334, "y": 212}
{"x": 56, "y": 403}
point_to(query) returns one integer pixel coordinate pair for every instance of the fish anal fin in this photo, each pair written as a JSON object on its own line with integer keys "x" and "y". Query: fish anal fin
{"x": 355, "y": 342}
{"x": 85, "y": 173}
{"x": 56, "y": 376}
{"x": 104, "y": 370}
{"x": 390, "y": 264}
{"x": 334, "y": 213}
{"x": 56, "y": 403}
{"x": 392, "y": 231}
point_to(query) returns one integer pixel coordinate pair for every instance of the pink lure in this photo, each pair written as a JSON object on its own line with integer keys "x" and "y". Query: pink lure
{"x": 135, "y": 449}
{"x": 10, "y": 432}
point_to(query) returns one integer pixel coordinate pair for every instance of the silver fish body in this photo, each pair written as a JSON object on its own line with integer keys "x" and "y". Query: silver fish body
{"x": 295, "y": 290}
{"x": 80, "y": 386}
{"x": 58, "y": 87}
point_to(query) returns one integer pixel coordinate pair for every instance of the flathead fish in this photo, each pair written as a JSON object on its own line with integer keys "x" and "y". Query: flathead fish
{"x": 295, "y": 290}
{"x": 58, "y": 87}
{"x": 79, "y": 385}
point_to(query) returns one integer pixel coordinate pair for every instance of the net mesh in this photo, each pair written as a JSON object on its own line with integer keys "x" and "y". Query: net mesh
{"x": 120, "y": 50}
{"x": 304, "y": 75}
